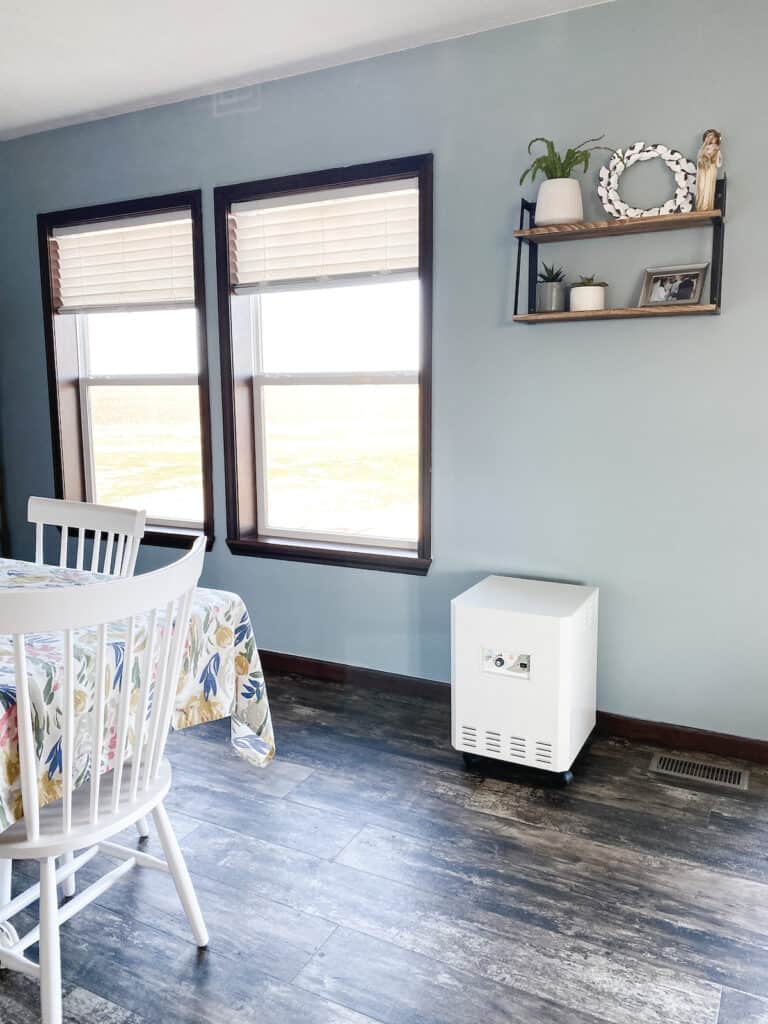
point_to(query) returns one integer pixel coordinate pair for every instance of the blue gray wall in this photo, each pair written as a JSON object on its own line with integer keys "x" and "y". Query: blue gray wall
{"x": 629, "y": 455}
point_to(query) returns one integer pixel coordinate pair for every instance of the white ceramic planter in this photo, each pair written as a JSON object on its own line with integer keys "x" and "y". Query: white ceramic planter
{"x": 559, "y": 202}
{"x": 584, "y": 297}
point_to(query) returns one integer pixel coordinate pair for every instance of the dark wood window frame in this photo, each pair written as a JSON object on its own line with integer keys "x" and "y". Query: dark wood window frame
{"x": 63, "y": 375}
{"x": 243, "y": 537}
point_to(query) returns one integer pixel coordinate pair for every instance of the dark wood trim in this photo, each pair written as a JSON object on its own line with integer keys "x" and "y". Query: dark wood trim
{"x": 682, "y": 737}
{"x": 352, "y": 675}
{"x": 384, "y": 559}
{"x": 237, "y": 394}
{"x": 72, "y": 484}
{"x": 661, "y": 734}
{"x": 173, "y": 537}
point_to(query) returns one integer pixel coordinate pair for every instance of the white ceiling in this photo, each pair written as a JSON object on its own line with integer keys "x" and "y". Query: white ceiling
{"x": 65, "y": 61}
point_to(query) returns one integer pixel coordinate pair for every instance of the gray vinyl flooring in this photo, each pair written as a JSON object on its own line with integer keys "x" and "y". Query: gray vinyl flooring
{"x": 366, "y": 877}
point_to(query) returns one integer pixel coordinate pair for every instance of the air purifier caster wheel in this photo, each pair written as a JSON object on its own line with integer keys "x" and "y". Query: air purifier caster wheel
{"x": 566, "y": 778}
{"x": 471, "y": 760}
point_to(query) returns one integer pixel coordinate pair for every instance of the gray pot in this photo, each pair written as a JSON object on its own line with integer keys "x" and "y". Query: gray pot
{"x": 550, "y": 297}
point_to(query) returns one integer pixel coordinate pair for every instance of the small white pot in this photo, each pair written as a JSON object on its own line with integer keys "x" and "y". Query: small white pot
{"x": 559, "y": 202}
{"x": 585, "y": 297}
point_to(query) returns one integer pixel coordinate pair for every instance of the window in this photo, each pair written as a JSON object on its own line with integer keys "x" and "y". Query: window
{"x": 123, "y": 292}
{"x": 325, "y": 314}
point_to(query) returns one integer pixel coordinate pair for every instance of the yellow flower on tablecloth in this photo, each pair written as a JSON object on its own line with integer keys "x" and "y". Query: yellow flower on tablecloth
{"x": 242, "y": 665}
{"x": 11, "y": 768}
{"x": 134, "y": 700}
{"x": 200, "y": 710}
{"x": 18, "y": 808}
{"x": 49, "y": 789}
{"x": 224, "y": 636}
{"x": 81, "y": 701}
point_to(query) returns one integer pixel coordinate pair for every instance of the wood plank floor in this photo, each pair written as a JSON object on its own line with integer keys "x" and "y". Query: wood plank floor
{"x": 366, "y": 877}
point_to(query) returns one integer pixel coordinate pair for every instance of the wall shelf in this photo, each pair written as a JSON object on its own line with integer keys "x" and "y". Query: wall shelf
{"x": 622, "y": 313}
{"x": 629, "y": 226}
{"x": 531, "y": 237}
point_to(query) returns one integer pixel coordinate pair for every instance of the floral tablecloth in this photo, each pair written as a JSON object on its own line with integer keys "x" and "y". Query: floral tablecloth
{"x": 221, "y": 676}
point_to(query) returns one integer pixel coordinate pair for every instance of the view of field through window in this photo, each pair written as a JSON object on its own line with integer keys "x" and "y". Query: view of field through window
{"x": 339, "y": 458}
{"x": 146, "y": 449}
{"x": 341, "y": 455}
{"x": 343, "y": 460}
{"x": 145, "y": 437}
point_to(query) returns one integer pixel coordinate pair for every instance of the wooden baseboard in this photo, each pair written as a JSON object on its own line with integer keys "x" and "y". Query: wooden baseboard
{"x": 662, "y": 734}
{"x": 682, "y": 737}
{"x": 371, "y": 678}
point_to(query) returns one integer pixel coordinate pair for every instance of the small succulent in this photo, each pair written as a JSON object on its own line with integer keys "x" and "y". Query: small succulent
{"x": 590, "y": 282}
{"x": 549, "y": 274}
{"x": 552, "y": 165}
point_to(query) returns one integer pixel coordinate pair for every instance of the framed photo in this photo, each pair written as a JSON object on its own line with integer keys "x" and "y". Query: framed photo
{"x": 672, "y": 286}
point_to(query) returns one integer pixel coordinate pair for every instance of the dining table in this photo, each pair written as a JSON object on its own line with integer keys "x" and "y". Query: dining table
{"x": 221, "y": 677}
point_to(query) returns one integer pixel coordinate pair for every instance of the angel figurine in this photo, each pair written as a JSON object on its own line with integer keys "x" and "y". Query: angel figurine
{"x": 710, "y": 159}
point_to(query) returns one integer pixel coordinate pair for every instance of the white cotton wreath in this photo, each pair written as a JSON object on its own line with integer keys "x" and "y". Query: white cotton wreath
{"x": 682, "y": 168}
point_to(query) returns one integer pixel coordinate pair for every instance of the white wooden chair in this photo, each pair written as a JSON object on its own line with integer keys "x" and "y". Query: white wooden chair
{"x": 117, "y": 533}
{"x": 155, "y": 606}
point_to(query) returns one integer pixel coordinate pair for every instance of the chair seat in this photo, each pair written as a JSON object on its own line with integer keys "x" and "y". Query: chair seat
{"x": 14, "y": 844}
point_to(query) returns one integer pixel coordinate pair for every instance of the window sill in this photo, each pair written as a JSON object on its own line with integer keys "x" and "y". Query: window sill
{"x": 353, "y": 557}
{"x": 173, "y": 537}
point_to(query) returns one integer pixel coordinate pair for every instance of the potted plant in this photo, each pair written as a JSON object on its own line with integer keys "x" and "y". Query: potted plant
{"x": 550, "y": 291}
{"x": 588, "y": 293}
{"x": 559, "y": 198}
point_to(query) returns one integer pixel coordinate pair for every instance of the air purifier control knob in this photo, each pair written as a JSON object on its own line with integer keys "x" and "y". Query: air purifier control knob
{"x": 499, "y": 662}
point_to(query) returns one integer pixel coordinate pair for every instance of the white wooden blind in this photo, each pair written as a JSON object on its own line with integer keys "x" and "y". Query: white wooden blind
{"x": 335, "y": 233}
{"x": 133, "y": 262}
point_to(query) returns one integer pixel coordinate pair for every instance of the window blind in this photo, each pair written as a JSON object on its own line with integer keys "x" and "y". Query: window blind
{"x": 336, "y": 233}
{"x": 134, "y": 262}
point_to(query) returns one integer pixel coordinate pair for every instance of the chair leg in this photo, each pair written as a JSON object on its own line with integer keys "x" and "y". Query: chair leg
{"x": 182, "y": 881}
{"x": 68, "y": 886}
{"x": 142, "y": 827}
{"x": 50, "y": 952}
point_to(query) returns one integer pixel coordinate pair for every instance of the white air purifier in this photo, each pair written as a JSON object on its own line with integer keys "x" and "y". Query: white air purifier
{"x": 523, "y": 671}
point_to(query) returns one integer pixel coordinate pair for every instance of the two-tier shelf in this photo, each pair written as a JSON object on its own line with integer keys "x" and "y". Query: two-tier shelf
{"x": 533, "y": 237}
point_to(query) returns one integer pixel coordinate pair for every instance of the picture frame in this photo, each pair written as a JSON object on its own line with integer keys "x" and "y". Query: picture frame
{"x": 673, "y": 286}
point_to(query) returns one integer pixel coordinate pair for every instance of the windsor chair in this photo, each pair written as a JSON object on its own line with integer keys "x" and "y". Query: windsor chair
{"x": 117, "y": 533}
{"x": 149, "y": 616}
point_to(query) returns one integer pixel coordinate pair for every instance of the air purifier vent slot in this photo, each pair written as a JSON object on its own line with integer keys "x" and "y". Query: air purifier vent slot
{"x": 699, "y": 771}
{"x": 469, "y": 735}
{"x": 517, "y": 748}
{"x": 493, "y": 742}
{"x": 543, "y": 752}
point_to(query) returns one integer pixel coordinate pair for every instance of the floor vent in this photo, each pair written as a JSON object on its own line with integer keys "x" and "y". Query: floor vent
{"x": 699, "y": 771}
{"x": 469, "y": 735}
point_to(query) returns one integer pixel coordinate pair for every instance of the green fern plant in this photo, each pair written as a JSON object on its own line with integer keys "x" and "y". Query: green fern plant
{"x": 552, "y": 165}
{"x": 551, "y": 274}
{"x": 590, "y": 282}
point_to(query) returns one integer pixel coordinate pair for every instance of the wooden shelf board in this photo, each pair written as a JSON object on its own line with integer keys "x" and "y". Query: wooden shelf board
{"x": 628, "y": 226}
{"x": 622, "y": 313}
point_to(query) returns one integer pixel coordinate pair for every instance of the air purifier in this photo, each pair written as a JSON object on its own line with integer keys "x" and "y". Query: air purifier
{"x": 523, "y": 671}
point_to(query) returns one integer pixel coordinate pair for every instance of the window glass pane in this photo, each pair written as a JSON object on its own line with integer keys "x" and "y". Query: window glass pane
{"x": 146, "y": 449}
{"x": 362, "y": 327}
{"x": 146, "y": 342}
{"x": 342, "y": 460}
